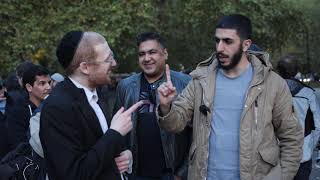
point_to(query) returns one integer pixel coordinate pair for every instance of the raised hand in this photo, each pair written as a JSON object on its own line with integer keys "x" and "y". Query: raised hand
{"x": 121, "y": 121}
{"x": 167, "y": 92}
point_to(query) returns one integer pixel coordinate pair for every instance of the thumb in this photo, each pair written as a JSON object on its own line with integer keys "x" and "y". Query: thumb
{"x": 120, "y": 111}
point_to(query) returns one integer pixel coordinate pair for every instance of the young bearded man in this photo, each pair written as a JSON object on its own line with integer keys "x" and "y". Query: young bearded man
{"x": 241, "y": 111}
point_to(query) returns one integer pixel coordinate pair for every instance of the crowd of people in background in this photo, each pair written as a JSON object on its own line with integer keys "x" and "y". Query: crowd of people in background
{"x": 233, "y": 117}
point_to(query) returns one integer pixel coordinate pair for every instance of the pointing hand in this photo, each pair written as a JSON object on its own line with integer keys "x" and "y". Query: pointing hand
{"x": 121, "y": 121}
{"x": 167, "y": 92}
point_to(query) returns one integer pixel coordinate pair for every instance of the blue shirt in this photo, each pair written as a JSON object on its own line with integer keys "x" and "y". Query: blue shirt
{"x": 2, "y": 106}
{"x": 230, "y": 94}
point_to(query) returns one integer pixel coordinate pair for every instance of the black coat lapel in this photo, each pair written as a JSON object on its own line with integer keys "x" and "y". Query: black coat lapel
{"x": 103, "y": 105}
{"x": 84, "y": 108}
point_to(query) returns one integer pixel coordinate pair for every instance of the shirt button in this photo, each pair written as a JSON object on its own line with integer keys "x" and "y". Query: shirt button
{"x": 245, "y": 106}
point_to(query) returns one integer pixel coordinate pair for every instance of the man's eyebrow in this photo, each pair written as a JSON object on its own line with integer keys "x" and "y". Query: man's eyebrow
{"x": 148, "y": 50}
{"x": 224, "y": 39}
{"x": 227, "y": 40}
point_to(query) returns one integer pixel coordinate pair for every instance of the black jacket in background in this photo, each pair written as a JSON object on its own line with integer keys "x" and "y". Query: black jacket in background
{"x": 74, "y": 145}
{"x": 3, "y": 136}
{"x": 17, "y": 113}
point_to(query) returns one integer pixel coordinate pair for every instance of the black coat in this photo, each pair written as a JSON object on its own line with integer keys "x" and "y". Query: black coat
{"x": 3, "y": 136}
{"x": 18, "y": 115}
{"x": 74, "y": 145}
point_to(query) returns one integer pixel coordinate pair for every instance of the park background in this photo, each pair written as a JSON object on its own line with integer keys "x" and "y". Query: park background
{"x": 31, "y": 29}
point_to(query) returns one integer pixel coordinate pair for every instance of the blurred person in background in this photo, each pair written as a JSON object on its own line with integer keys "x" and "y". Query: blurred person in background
{"x": 36, "y": 83}
{"x": 55, "y": 79}
{"x": 3, "y": 128}
{"x": 16, "y": 103}
{"x": 307, "y": 110}
{"x": 2, "y": 97}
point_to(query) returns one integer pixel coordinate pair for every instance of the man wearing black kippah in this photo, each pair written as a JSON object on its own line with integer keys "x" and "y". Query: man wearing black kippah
{"x": 79, "y": 140}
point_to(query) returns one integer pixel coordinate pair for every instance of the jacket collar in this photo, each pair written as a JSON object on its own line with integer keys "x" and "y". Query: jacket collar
{"x": 206, "y": 73}
{"x": 81, "y": 102}
{"x": 259, "y": 60}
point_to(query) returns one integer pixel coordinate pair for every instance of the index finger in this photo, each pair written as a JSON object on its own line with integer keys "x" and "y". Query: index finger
{"x": 134, "y": 107}
{"x": 168, "y": 74}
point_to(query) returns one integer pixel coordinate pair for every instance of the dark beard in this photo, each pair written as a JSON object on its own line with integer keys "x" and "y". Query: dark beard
{"x": 234, "y": 61}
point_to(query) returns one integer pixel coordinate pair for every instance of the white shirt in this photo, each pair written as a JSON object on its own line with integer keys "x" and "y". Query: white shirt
{"x": 92, "y": 98}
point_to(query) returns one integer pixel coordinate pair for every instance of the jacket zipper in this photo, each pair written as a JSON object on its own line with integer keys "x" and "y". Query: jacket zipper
{"x": 256, "y": 113}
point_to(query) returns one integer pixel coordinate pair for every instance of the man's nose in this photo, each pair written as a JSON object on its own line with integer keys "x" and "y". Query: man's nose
{"x": 147, "y": 57}
{"x": 114, "y": 63}
{"x": 48, "y": 86}
{"x": 219, "y": 46}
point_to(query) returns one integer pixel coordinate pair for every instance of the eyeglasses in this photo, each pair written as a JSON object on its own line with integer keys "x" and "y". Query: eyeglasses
{"x": 109, "y": 59}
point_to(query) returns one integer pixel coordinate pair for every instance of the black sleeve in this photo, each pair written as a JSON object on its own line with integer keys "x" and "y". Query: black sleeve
{"x": 119, "y": 102}
{"x": 17, "y": 119}
{"x": 66, "y": 158}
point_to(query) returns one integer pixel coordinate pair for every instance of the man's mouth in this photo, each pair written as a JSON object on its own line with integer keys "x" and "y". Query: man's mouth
{"x": 222, "y": 56}
{"x": 148, "y": 65}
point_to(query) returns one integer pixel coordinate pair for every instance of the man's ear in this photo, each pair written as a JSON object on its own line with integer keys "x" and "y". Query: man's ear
{"x": 165, "y": 52}
{"x": 246, "y": 44}
{"x": 29, "y": 87}
{"x": 84, "y": 67}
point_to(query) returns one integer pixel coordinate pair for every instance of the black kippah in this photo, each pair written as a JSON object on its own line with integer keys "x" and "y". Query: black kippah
{"x": 67, "y": 47}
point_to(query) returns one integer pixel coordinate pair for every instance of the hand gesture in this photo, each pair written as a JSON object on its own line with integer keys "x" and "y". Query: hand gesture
{"x": 121, "y": 121}
{"x": 124, "y": 161}
{"x": 167, "y": 92}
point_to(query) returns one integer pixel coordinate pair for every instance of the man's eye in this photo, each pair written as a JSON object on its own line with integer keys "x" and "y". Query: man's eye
{"x": 217, "y": 40}
{"x": 153, "y": 52}
{"x": 228, "y": 41}
{"x": 141, "y": 54}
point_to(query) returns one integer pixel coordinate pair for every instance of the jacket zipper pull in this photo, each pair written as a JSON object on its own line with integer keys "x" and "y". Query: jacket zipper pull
{"x": 256, "y": 113}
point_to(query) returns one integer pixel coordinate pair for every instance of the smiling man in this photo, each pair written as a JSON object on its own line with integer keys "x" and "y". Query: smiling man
{"x": 157, "y": 154}
{"x": 79, "y": 141}
{"x": 241, "y": 111}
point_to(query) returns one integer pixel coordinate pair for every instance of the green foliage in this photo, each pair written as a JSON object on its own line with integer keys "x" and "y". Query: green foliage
{"x": 31, "y": 29}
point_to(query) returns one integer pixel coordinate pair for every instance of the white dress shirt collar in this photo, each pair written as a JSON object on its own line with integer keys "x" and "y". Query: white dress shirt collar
{"x": 89, "y": 93}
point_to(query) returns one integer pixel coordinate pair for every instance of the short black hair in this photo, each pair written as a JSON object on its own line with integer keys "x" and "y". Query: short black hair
{"x": 145, "y": 36}
{"x": 240, "y": 23}
{"x": 23, "y": 67}
{"x": 288, "y": 66}
{"x": 29, "y": 77}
